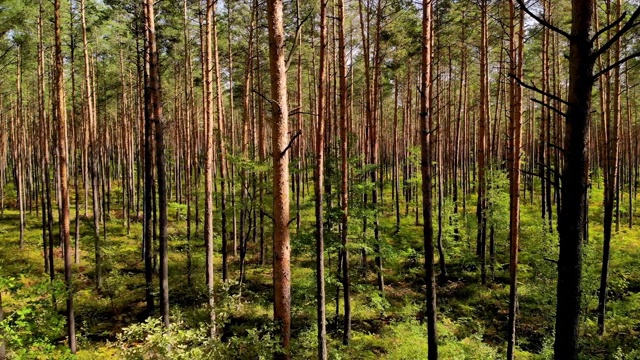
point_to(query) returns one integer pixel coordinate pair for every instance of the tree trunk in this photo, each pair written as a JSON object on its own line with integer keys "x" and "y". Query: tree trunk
{"x": 373, "y": 142}
{"x": 208, "y": 207}
{"x": 610, "y": 164}
{"x": 3, "y": 346}
{"x": 280, "y": 111}
{"x": 319, "y": 186}
{"x": 344, "y": 168}
{"x": 574, "y": 184}
{"x": 189, "y": 114}
{"x": 483, "y": 122}
{"x": 148, "y": 187}
{"x": 17, "y": 144}
{"x": 213, "y": 28}
{"x": 154, "y": 103}
{"x": 396, "y": 157}
{"x": 516, "y": 45}
{"x": 60, "y": 117}
{"x": 426, "y": 173}
{"x": 90, "y": 120}
{"x": 76, "y": 145}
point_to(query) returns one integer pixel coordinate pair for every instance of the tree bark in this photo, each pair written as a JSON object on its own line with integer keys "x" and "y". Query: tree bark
{"x": 3, "y": 346}
{"x": 344, "y": 167}
{"x": 280, "y": 111}
{"x": 148, "y": 183}
{"x": 610, "y": 152}
{"x": 516, "y": 45}
{"x": 426, "y": 173}
{"x": 61, "y": 120}
{"x": 483, "y": 122}
{"x": 91, "y": 120}
{"x": 319, "y": 186}
{"x": 17, "y": 145}
{"x": 154, "y": 103}
{"x": 574, "y": 184}
{"x": 213, "y": 28}
{"x": 209, "y": 158}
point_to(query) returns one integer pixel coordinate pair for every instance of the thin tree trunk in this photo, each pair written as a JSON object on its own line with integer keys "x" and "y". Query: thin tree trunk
{"x": 516, "y": 44}
{"x": 209, "y": 166}
{"x": 153, "y": 101}
{"x": 60, "y": 117}
{"x": 18, "y": 155}
{"x": 319, "y": 187}
{"x": 148, "y": 187}
{"x": 280, "y": 110}
{"x": 47, "y": 213}
{"x": 481, "y": 146}
{"x": 396, "y": 157}
{"x": 3, "y": 342}
{"x": 426, "y": 173}
{"x": 76, "y": 172}
{"x": 611, "y": 157}
{"x": 189, "y": 117}
{"x": 344, "y": 167}
{"x": 213, "y": 28}
{"x": 90, "y": 120}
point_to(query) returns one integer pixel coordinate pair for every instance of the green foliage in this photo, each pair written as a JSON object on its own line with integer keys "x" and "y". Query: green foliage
{"x": 498, "y": 199}
{"x": 34, "y": 327}
{"x": 183, "y": 341}
{"x": 148, "y": 340}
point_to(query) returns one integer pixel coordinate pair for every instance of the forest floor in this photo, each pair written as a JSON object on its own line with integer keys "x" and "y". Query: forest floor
{"x": 472, "y": 317}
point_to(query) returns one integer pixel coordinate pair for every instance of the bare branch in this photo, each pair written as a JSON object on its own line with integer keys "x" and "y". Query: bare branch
{"x": 609, "y": 27}
{"x": 6, "y": 51}
{"x": 531, "y": 173}
{"x": 267, "y": 215}
{"x": 543, "y": 22}
{"x": 429, "y": 132}
{"x": 616, "y": 64}
{"x": 554, "y": 183}
{"x": 549, "y": 168}
{"x": 298, "y": 133}
{"x": 263, "y": 96}
{"x": 554, "y": 146}
{"x": 298, "y": 112}
{"x": 552, "y": 108}
{"x": 294, "y": 110}
{"x": 627, "y": 26}
{"x": 536, "y": 89}
{"x": 295, "y": 39}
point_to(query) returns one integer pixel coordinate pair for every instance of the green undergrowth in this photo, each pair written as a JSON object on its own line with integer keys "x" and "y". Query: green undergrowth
{"x": 472, "y": 319}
